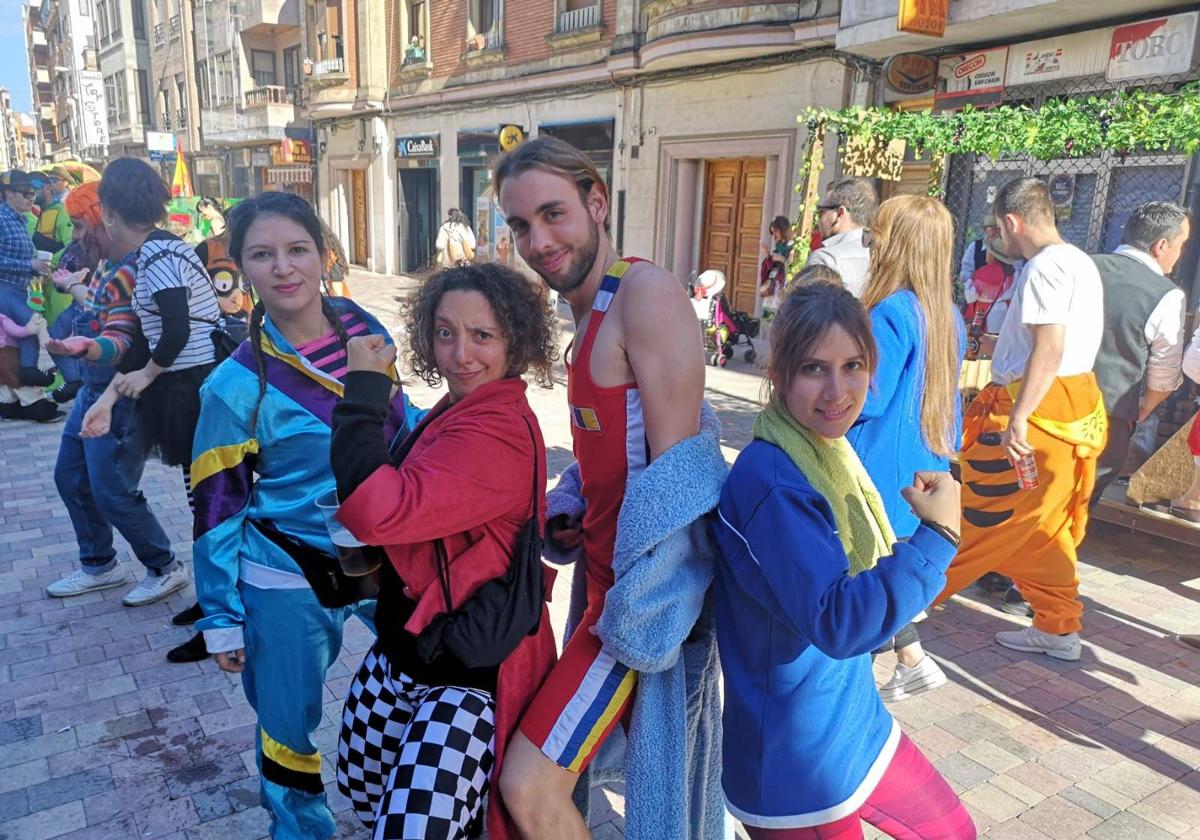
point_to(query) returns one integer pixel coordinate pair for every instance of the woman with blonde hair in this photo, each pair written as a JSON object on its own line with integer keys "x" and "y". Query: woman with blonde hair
{"x": 921, "y": 344}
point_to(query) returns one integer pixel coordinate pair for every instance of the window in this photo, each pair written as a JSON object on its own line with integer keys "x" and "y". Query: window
{"x": 262, "y": 67}
{"x": 102, "y": 22}
{"x": 291, "y": 67}
{"x": 416, "y": 19}
{"x": 225, "y": 89}
{"x": 139, "y": 19}
{"x": 114, "y": 19}
{"x": 110, "y": 96}
{"x": 414, "y": 46}
{"x": 203, "y": 89}
{"x": 84, "y": 8}
{"x": 181, "y": 98}
{"x": 143, "y": 92}
{"x": 483, "y": 24}
{"x": 122, "y": 97}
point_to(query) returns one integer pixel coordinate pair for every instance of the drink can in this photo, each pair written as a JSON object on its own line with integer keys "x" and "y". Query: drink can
{"x": 1027, "y": 474}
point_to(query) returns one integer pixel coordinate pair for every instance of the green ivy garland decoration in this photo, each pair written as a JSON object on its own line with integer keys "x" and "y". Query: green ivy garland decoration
{"x": 1121, "y": 122}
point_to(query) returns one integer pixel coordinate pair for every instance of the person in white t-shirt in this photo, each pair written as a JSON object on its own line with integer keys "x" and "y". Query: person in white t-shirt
{"x": 1026, "y": 520}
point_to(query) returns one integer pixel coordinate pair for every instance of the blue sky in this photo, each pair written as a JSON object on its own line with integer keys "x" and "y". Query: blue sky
{"x": 14, "y": 61}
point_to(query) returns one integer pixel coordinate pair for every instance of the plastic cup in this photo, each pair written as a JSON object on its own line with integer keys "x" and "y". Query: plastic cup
{"x": 354, "y": 556}
{"x": 43, "y": 255}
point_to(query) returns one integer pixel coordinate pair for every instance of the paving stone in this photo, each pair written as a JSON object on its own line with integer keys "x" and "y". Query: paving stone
{"x": 211, "y": 804}
{"x": 43, "y": 825}
{"x": 1132, "y": 779}
{"x": 1178, "y": 800}
{"x": 166, "y": 818}
{"x": 1126, "y": 826}
{"x": 123, "y": 827}
{"x": 29, "y": 749}
{"x": 117, "y": 727}
{"x": 1085, "y": 799}
{"x": 19, "y": 729}
{"x": 201, "y": 777}
{"x": 249, "y": 823}
{"x": 962, "y": 770}
{"x": 13, "y": 804}
{"x": 991, "y": 800}
{"x": 991, "y": 756}
{"x": 1057, "y": 817}
{"x": 73, "y": 787}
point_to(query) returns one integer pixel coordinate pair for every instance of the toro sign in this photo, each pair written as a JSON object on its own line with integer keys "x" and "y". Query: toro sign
{"x": 1158, "y": 47}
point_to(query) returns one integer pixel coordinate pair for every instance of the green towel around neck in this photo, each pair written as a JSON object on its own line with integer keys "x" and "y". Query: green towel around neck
{"x": 832, "y": 467}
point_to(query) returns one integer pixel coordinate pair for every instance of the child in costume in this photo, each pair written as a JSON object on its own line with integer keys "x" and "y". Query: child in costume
{"x": 809, "y": 747}
{"x": 261, "y": 460}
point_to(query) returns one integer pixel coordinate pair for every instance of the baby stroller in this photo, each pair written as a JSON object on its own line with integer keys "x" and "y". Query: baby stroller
{"x": 724, "y": 327}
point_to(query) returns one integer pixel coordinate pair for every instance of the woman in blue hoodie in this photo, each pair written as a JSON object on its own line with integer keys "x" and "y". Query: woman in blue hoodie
{"x": 912, "y": 420}
{"x": 810, "y": 749}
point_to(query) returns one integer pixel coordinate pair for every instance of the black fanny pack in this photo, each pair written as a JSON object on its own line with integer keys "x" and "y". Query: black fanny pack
{"x": 333, "y": 587}
{"x": 492, "y": 622}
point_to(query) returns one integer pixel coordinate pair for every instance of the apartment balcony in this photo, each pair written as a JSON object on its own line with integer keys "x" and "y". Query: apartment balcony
{"x": 328, "y": 72}
{"x": 868, "y": 27}
{"x": 269, "y": 17}
{"x": 160, "y": 34}
{"x": 175, "y": 27}
{"x": 264, "y": 118}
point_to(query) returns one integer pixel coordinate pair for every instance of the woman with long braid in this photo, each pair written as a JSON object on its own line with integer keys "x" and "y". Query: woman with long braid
{"x": 261, "y": 461}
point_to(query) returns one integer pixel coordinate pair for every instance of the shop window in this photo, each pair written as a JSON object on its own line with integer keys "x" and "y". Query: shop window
{"x": 262, "y": 67}
{"x": 122, "y": 100}
{"x": 483, "y": 24}
{"x": 110, "y": 95}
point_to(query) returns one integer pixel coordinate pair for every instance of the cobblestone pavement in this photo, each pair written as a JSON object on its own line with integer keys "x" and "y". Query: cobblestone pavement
{"x": 100, "y": 738}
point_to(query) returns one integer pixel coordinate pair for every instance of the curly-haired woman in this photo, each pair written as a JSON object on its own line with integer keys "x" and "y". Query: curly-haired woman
{"x": 423, "y": 736}
{"x": 260, "y": 465}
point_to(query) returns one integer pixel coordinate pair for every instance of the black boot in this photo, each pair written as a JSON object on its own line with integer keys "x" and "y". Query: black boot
{"x": 189, "y": 616}
{"x": 36, "y": 378}
{"x": 994, "y": 582}
{"x": 193, "y": 650}
{"x": 42, "y": 411}
{"x": 10, "y": 410}
{"x": 66, "y": 392}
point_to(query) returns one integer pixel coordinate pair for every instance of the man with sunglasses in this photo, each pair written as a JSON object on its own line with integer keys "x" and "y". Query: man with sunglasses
{"x": 843, "y": 216}
{"x": 17, "y": 264}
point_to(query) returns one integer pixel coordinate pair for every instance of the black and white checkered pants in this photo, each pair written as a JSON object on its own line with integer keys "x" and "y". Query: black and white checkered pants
{"x": 414, "y": 759}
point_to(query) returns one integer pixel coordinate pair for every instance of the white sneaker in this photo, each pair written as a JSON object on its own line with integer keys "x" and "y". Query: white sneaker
{"x": 156, "y": 587}
{"x": 1034, "y": 640}
{"x": 79, "y": 582}
{"x": 909, "y": 682}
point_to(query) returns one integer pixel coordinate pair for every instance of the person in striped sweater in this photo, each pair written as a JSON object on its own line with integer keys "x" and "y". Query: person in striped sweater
{"x": 97, "y": 475}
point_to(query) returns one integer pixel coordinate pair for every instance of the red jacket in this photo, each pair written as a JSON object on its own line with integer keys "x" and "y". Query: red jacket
{"x": 467, "y": 480}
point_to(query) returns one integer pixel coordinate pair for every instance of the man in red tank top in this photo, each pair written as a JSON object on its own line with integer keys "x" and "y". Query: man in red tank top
{"x": 635, "y": 381}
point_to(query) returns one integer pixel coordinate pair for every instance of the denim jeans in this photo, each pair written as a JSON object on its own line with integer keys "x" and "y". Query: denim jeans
{"x": 97, "y": 479}
{"x": 64, "y": 327}
{"x": 14, "y": 302}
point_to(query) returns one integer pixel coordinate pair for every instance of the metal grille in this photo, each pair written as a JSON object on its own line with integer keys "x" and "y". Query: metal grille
{"x": 1107, "y": 185}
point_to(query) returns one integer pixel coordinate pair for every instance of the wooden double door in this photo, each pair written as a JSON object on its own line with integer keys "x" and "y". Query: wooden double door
{"x": 733, "y": 225}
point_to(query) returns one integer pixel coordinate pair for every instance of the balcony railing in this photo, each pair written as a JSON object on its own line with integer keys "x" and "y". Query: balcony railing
{"x": 579, "y": 18}
{"x": 160, "y": 34}
{"x": 268, "y": 95}
{"x": 183, "y": 117}
{"x": 329, "y": 65}
{"x": 175, "y": 27}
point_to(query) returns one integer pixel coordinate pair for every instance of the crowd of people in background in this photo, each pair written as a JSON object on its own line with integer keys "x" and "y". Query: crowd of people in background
{"x": 320, "y": 492}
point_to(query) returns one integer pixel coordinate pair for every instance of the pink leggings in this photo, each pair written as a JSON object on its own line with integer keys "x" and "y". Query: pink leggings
{"x": 911, "y": 802}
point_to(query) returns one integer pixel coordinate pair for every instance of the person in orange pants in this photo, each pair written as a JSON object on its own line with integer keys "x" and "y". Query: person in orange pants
{"x": 1043, "y": 402}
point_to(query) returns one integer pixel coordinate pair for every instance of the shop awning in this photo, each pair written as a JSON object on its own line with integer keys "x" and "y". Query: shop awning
{"x": 289, "y": 175}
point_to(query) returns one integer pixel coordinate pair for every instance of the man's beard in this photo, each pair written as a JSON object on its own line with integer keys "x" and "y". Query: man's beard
{"x": 578, "y": 268}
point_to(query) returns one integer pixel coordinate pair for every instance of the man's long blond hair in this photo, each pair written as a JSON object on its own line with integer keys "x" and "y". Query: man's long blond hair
{"x": 912, "y": 247}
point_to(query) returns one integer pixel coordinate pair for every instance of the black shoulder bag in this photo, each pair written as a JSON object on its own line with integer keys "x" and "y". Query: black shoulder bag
{"x": 493, "y": 621}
